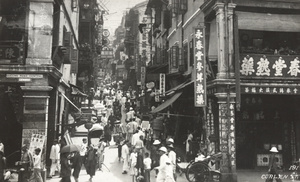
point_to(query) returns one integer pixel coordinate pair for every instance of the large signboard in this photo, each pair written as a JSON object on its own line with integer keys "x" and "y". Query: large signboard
{"x": 269, "y": 66}
{"x": 200, "y": 82}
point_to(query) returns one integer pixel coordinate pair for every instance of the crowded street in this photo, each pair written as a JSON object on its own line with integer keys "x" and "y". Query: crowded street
{"x": 149, "y": 90}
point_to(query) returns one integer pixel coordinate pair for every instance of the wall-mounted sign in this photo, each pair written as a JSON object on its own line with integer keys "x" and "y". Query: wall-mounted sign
{"x": 162, "y": 84}
{"x": 275, "y": 66}
{"x": 105, "y": 33}
{"x": 11, "y": 53}
{"x": 199, "y": 68}
{"x": 289, "y": 90}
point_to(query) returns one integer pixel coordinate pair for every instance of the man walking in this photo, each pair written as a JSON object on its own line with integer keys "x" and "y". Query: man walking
{"x": 83, "y": 150}
{"x": 54, "y": 156}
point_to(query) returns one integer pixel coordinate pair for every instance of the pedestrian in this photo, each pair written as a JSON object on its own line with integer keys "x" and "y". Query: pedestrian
{"x": 147, "y": 167}
{"x": 140, "y": 143}
{"x": 83, "y": 150}
{"x": 100, "y": 152}
{"x": 76, "y": 165}
{"x": 54, "y": 156}
{"x": 1, "y": 146}
{"x": 133, "y": 161}
{"x": 2, "y": 165}
{"x": 125, "y": 156}
{"x": 273, "y": 167}
{"x": 107, "y": 133}
{"x": 36, "y": 177}
{"x": 165, "y": 171}
{"x": 154, "y": 155}
{"x": 172, "y": 157}
{"x": 26, "y": 162}
{"x": 188, "y": 146}
{"x": 140, "y": 161}
{"x": 65, "y": 172}
{"x": 91, "y": 162}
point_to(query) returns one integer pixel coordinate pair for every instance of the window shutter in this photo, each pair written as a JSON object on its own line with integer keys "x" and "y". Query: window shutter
{"x": 191, "y": 52}
{"x": 74, "y": 61}
{"x": 68, "y": 45}
{"x": 175, "y": 6}
{"x": 183, "y": 6}
{"x": 180, "y": 59}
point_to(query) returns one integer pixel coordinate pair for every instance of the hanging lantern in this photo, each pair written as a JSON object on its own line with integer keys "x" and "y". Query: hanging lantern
{"x": 88, "y": 125}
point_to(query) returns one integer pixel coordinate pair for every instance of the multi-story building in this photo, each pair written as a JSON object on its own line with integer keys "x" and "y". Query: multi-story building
{"x": 39, "y": 45}
{"x": 249, "y": 51}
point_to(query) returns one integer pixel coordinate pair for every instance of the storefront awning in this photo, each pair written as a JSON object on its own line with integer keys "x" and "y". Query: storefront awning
{"x": 77, "y": 92}
{"x": 167, "y": 103}
{"x": 70, "y": 101}
{"x": 178, "y": 87}
{"x": 268, "y": 22}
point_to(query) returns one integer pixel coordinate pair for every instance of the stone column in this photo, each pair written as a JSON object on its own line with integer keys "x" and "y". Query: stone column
{"x": 230, "y": 26}
{"x": 35, "y": 121}
{"x": 221, "y": 33}
{"x": 39, "y": 26}
{"x": 227, "y": 136}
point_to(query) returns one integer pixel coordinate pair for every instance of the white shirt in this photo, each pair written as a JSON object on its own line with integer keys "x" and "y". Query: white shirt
{"x": 135, "y": 138}
{"x": 83, "y": 149}
{"x": 172, "y": 156}
{"x": 37, "y": 161}
{"x": 125, "y": 151}
{"x": 147, "y": 163}
{"x": 133, "y": 159}
{"x": 54, "y": 153}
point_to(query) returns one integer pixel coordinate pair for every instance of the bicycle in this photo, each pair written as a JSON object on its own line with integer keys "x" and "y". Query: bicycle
{"x": 200, "y": 169}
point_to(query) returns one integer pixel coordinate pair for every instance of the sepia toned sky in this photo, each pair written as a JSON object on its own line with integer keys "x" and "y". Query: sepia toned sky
{"x": 116, "y": 10}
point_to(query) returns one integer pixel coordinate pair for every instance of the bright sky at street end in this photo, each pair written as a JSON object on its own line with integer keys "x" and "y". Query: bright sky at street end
{"x": 116, "y": 9}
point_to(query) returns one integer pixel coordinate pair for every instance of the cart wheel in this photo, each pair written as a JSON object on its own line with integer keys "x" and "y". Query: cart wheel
{"x": 197, "y": 172}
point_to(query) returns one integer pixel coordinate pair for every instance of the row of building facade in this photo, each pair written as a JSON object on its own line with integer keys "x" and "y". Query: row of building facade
{"x": 247, "y": 53}
{"x": 47, "y": 52}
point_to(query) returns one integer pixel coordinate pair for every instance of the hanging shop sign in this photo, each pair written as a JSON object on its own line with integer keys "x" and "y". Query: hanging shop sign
{"x": 289, "y": 90}
{"x": 275, "y": 66}
{"x": 162, "y": 84}
{"x": 143, "y": 75}
{"x": 200, "y": 83}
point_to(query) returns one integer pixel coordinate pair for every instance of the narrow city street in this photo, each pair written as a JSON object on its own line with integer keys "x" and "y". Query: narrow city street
{"x": 113, "y": 172}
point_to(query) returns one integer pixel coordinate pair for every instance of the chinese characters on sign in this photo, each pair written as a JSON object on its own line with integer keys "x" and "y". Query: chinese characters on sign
{"x": 271, "y": 90}
{"x": 200, "y": 83}
{"x": 11, "y": 54}
{"x": 270, "y": 66}
{"x": 162, "y": 84}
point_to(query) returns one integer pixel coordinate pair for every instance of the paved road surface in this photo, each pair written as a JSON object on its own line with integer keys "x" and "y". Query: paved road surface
{"x": 115, "y": 173}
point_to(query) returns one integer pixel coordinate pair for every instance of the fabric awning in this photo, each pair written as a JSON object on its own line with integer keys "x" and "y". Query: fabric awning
{"x": 77, "y": 92}
{"x": 166, "y": 103}
{"x": 70, "y": 101}
{"x": 268, "y": 22}
{"x": 178, "y": 87}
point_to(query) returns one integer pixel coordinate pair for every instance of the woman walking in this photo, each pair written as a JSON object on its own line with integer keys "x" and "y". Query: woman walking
{"x": 91, "y": 161}
{"x": 65, "y": 167}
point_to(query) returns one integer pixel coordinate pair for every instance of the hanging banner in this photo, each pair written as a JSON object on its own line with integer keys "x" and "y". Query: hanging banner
{"x": 200, "y": 68}
{"x": 162, "y": 84}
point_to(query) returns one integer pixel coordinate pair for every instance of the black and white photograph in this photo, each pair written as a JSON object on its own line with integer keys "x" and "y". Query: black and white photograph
{"x": 149, "y": 90}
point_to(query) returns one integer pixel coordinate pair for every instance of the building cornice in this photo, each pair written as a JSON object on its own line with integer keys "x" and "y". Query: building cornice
{"x": 51, "y": 70}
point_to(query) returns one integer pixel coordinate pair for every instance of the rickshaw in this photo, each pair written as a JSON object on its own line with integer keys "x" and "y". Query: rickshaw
{"x": 201, "y": 170}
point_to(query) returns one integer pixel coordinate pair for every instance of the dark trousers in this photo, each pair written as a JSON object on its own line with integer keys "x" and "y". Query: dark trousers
{"x": 147, "y": 175}
{"x": 273, "y": 174}
{"x": 66, "y": 179}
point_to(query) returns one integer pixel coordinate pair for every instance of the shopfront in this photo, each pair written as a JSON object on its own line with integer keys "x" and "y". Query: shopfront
{"x": 264, "y": 121}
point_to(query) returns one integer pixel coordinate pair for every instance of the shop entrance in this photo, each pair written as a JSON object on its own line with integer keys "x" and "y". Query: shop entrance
{"x": 11, "y": 129}
{"x": 264, "y": 121}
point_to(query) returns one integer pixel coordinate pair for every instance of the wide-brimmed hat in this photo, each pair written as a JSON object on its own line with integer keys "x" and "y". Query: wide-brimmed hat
{"x": 163, "y": 149}
{"x": 171, "y": 140}
{"x": 274, "y": 149}
{"x": 171, "y": 146}
{"x": 138, "y": 147}
{"x": 156, "y": 142}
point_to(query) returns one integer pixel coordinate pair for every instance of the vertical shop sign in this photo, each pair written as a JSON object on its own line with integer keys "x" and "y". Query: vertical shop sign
{"x": 143, "y": 76}
{"x": 162, "y": 84}
{"x": 200, "y": 83}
